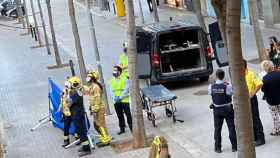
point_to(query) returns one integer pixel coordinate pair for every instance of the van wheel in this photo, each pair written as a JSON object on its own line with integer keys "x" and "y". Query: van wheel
{"x": 204, "y": 79}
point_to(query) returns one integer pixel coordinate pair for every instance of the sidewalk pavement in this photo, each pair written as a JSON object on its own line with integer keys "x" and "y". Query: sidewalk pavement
{"x": 24, "y": 100}
{"x": 191, "y": 139}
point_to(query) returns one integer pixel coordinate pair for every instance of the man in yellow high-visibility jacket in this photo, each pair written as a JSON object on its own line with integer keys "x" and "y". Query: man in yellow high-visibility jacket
{"x": 254, "y": 84}
{"x": 123, "y": 60}
{"x": 120, "y": 95}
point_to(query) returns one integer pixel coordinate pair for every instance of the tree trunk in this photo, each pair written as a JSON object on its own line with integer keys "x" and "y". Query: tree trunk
{"x": 54, "y": 43}
{"x": 78, "y": 46}
{"x": 139, "y": 133}
{"x": 243, "y": 117}
{"x": 1, "y": 151}
{"x": 141, "y": 12}
{"x": 44, "y": 27}
{"x": 155, "y": 11}
{"x": 36, "y": 23}
{"x": 26, "y": 17}
{"x": 2, "y": 140}
{"x": 20, "y": 13}
{"x": 97, "y": 56}
{"x": 197, "y": 7}
{"x": 253, "y": 8}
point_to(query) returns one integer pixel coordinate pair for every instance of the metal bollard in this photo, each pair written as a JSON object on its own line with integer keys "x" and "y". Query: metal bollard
{"x": 35, "y": 34}
{"x": 72, "y": 68}
{"x": 31, "y": 30}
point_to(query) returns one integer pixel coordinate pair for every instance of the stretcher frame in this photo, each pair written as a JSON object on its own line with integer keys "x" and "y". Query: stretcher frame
{"x": 150, "y": 102}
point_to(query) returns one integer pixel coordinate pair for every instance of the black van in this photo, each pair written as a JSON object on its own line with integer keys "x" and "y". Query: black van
{"x": 173, "y": 51}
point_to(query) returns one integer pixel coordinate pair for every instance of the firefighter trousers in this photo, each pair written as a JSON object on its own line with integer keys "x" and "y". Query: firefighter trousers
{"x": 100, "y": 126}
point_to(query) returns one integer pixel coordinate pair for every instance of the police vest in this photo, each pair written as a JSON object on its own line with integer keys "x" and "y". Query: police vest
{"x": 117, "y": 86}
{"x": 219, "y": 96}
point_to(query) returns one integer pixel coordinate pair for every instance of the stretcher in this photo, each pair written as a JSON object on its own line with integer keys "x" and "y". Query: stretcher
{"x": 156, "y": 96}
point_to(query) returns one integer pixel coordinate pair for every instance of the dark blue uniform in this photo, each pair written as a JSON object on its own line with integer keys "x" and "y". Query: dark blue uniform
{"x": 79, "y": 119}
{"x": 223, "y": 110}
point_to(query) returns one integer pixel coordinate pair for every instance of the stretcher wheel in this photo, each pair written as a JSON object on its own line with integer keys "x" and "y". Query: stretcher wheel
{"x": 174, "y": 118}
{"x": 149, "y": 116}
{"x": 168, "y": 112}
{"x": 153, "y": 119}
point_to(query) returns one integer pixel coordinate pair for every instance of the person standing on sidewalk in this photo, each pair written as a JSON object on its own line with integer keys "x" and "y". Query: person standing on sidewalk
{"x": 271, "y": 90}
{"x": 150, "y": 4}
{"x": 120, "y": 94}
{"x": 123, "y": 60}
{"x": 97, "y": 107}
{"x": 254, "y": 84}
{"x": 159, "y": 148}
{"x": 221, "y": 93}
{"x": 66, "y": 115}
{"x": 75, "y": 100}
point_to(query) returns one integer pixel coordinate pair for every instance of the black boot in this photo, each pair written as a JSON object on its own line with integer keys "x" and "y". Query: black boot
{"x": 131, "y": 129}
{"x": 218, "y": 150}
{"x": 85, "y": 150}
{"x": 122, "y": 131}
{"x": 66, "y": 142}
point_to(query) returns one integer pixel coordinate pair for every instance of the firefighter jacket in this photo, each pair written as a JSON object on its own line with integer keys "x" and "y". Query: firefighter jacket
{"x": 64, "y": 103}
{"x": 95, "y": 97}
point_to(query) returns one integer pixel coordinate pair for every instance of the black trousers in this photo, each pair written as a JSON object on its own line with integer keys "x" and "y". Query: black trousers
{"x": 221, "y": 114}
{"x": 121, "y": 109}
{"x": 150, "y": 4}
{"x": 257, "y": 123}
{"x": 81, "y": 127}
{"x": 67, "y": 123}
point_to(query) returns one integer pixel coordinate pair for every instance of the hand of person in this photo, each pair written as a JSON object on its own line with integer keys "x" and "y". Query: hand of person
{"x": 211, "y": 106}
{"x": 91, "y": 113}
{"x": 117, "y": 100}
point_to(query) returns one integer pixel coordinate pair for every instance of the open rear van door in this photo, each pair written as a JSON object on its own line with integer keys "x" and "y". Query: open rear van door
{"x": 220, "y": 51}
{"x": 144, "y": 47}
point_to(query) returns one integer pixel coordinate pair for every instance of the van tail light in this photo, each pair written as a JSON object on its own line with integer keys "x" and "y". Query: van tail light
{"x": 209, "y": 51}
{"x": 155, "y": 60}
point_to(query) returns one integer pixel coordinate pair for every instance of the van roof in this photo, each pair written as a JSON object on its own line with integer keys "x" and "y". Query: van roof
{"x": 165, "y": 26}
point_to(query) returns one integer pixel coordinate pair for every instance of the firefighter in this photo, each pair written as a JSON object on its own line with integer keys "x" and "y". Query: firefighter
{"x": 123, "y": 60}
{"x": 120, "y": 93}
{"x": 75, "y": 100}
{"x": 97, "y": 107}
{"x": 159, "y": 148}
{"x": 66, "y": 115}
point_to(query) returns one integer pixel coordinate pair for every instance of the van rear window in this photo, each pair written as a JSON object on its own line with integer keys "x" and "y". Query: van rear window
{"x": 143, "y": 42}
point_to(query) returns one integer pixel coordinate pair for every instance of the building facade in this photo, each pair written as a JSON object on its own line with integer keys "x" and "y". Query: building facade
{"x": 269, "y": 10}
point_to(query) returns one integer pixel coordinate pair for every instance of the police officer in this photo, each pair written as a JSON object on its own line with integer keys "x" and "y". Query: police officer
{"x": 66, "y": 115}
{"x": 75, "y": 100}
{"x": 221, "y": 93}
{"x": 97, "y": 107}
{"x": 120, "y": 95}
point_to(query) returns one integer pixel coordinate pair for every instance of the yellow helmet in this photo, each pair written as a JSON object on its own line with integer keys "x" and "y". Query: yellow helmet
{"x": 74, "y": 82}
{"x": 93, "y": 74}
